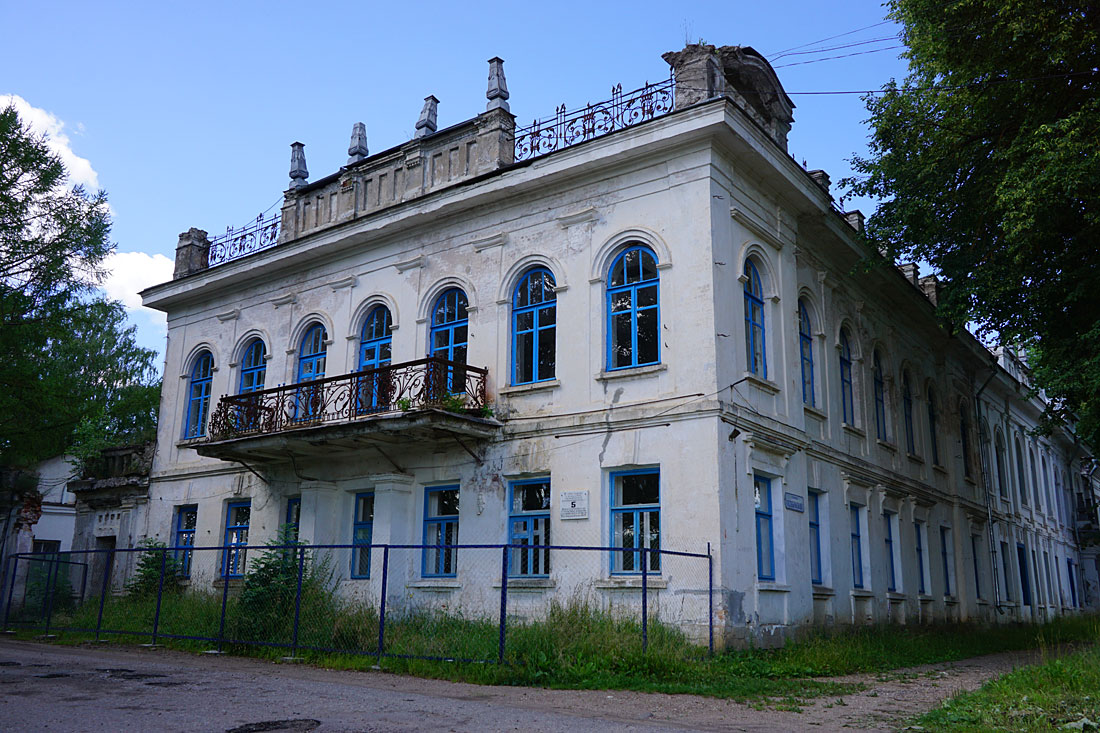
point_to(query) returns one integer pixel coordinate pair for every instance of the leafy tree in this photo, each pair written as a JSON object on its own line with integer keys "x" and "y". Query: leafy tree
{"x": 66, "y": 355}
{"x": 986, "y": 162}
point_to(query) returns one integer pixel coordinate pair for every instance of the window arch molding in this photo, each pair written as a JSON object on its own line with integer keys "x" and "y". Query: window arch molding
{"x": 365, "y": 308}
{"x": 431, "y": 297}
{"x": 245, "y": 341}
{"x": 519, "y": 270}
{"x": 614, "y": 246}
{"x": 189, "y": 361}
{"x": 761, "y": 259}
{"x": 304, "y": 324}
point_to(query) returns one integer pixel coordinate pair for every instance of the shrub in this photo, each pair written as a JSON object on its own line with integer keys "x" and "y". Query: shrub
{"x": 146, "y": 578}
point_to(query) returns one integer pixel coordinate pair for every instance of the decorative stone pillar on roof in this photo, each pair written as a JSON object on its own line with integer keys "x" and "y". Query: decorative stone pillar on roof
{"x": 192, "y": 253}
{"x": 357, "y": 149}
{"x": 298, "y": 172}
{"x": 426, "y": 125}
{"x": 497, "y": 94}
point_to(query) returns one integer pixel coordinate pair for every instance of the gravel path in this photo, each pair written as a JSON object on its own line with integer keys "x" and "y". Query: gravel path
{"x": 59, "y": 688}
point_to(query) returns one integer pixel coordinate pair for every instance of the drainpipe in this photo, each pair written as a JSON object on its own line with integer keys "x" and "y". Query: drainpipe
{"x": 982, "y": 452}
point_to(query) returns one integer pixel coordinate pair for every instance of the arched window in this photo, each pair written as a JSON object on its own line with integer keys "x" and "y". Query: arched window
{"x": 1020, "y": 482}
{"x": 311, "y": 367}
{"x": 846, "y": 401}
{"x": 253, "y": 367}
{"x": 999, "y": 457}
{"x": 1046, "y": 486}
{"x": 806, "y": 353}
{"x": 755, "y": 352}
{"x": 450, "y": 334}
{"x": 964, "y": 437}
{"x": 534, "y": 333}
{"x": 1034, "y": 479}
{"x": 907, "y": 413}
{"x": 375, "y": 342}
{"x": 198, "y": 399}
{"x": 880, "y": 395}
{"x": 932, "y": 427}
{"x": 633, "y": 310}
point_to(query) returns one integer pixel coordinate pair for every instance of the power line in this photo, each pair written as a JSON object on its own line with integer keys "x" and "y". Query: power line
{"x": 842, "y": 56}
{"x": 839, "y": 35}
{"x": 836, "y": 48}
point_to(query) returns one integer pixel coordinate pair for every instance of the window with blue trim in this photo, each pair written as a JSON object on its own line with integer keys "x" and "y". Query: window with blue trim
{"x": 633, "y": 310}
{"x": 534, "y": 329}
{"x": 880, "y": 395}
{"x": 375, "y": 351}
{"x": 636, "y": 519}
{"x": 529, "y": 525}
{"x": 198, "y": 400}
{"x": 814, "y": 513}
{"x": 922, "y": 564}
{"x": 964, "y": 437}
{"x": 312, "y": 355}
{"x": 1020, "y": 471}
{"x": 806, "y": 354}
{"x": 1006, "y": 563}
{"x": 1046, "y": 486}
{"x": 450, "y": 335}
{"x": 933, "y": 441}
{"x": 237, "y": 516}
{"x": 1034, "y": 480}
{"x": 999, "y": 459}
{"x": 253, "y": 367}
{"x": 888, "y": 520}
{"x": 975, "y": 548}
{"x": 847, "y": 403}
{"x": 756, "y": 358}
{"x": 440, "y": 532}
{"x": 294, "y": 516}
{"x": 187, "y": 518}
{"x": 1025, "y": 585}
{"x": 857, "y": 546}
{"x": 765, "y": 538}
{"x": 907, "y": 413}
{"x": 362, "y": 533}
{"x": 1071, "y": 571}
{"x": 947, "y": 554}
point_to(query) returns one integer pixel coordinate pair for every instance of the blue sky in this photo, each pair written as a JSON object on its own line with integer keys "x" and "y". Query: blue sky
{"x": 184, "y": 112}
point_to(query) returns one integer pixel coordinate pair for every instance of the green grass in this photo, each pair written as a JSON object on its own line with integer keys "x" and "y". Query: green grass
{"x": 574, "y": 646}
{"x": 1044, "y": 697}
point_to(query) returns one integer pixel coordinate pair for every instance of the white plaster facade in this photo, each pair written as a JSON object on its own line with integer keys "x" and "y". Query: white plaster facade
{"x": 704, "y": 188}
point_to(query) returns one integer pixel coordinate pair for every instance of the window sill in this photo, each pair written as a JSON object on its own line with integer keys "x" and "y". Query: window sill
{"x": 765, "y": 385}
{"x": 983, "y": 602}
{"x": 862, "y": 593}
{"x": 950, "y": 601}
{"x": 440, "y": 585}
{"x": 767, "y": 586}
{"x": 190, "y": 442}
{"x": 892, "y": 447}
{"x": 519, "y": 389}
{"x": 852, "y": 429}
{"x": 631, "y": 372}
{"x": 913, "y": 457}
{"x": 895, "y": 596}
{"x": 631, "y": 582}
{"x": 970, "y": 480}
{"x": 528, "y": 584}
{"x": 814, "y": 412}
{"x": 938, "y": 467}
{"x": 821, "y": 591}
{"x": 925, "y": 598}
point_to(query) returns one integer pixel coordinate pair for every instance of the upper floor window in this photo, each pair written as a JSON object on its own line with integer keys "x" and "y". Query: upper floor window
{"x": 450, "y": 335}
{"x": 1034, "y": 479}
{"x": 534, "y": 332}
{"x": 312, "y": 355}
{"x": 633, "y": 310}
{"x": 253, "y": 367}
{"x": 806, "y": 353}
{"x": 1021, "y": 483}
{"x": 999, "y": 457}
{"x": 880, "y": 395}
{"x": 198, "y": 399}
{"x": 375, "y": 345}
{"x": 755, "y": 354}
{"x": 932, "y": 440}
{"x": 846, "y": 401}
{"x": 964, "y": 436}
{"x": 907, "y": 413}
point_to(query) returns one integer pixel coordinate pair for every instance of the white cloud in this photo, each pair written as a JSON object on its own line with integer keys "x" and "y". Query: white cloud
{"x": 42, "y": 122}
{"x": 132, "y": 272}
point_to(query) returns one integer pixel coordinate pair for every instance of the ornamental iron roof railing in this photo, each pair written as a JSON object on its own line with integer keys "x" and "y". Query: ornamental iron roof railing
{"x": 565, "y": 128}
{"x": 412, "y": 385}
{"x": 236, "y": 243}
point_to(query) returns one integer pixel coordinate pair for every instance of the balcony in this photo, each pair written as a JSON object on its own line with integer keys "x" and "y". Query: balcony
{"x": 425, "y": 400}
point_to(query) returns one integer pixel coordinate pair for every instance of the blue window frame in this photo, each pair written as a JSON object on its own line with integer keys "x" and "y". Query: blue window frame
{"x": 1071, "y": 570}
{"x": 294, "y": 515}
{"x": 847, "y": 402}
{"x": 440, "y": 558}
{"x": 765, "y": 538}
{"x": 815, "y": 537}
{"x": 187, "y": 518}
{"x": 198, "y": 400}
{"x": 756, "y": 357}
{"x": 907, "y": 413}
{"x": 806, "y": 354}
{"x": 312, "y": 356}
{"x": 1005, "y": 565}
{"x": 237, "y": 516}
{"x": 1034, "y": 480}
{"x": 1046, "y": 486}
{"x": 999, "y": 458}
{"x": 253, "y": 367}
{"x": 450, "y": 335}
{"x": 362, "y": 534}
{"x": 633, "y": 310}
{"x": 1025, "y": 586}
{"x": 918, "y": 532}
{"x": 529, "y": 524}
{"x": 880, "y": 395}
{"x": 635, "y": 519}
{"x": 964, "y": 437}
{"x": 375, "y": 351}
{"x": 945, "y": 544}
{"x": 1020, "y": 472}
{"x": 534, "y": 329}
{"x": 975, "y": 543}
{"x": 932, "y": 440}
{"x": 888, "y": 526}
{"x": 857, "y": 546}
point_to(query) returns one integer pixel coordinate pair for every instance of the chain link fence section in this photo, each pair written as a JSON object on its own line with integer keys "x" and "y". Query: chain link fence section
{"x": 466, "y": 603}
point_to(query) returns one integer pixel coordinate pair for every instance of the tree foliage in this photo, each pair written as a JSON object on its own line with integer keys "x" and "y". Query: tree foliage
{"x": 986, "y": 160}
{"x": 66, "y": 354}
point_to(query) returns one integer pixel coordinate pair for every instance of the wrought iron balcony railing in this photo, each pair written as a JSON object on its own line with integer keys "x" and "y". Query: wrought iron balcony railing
{"x": 254, "y": 236}
{"x": 412, "y": 385}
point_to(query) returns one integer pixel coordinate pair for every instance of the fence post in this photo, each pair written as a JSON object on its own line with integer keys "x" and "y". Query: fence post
{"x": 103, "y": 591}
{"x": 645, "y": 599}
{"x": 298, "y": 599}
{"x": 51, "y": 579}
{"x": 503, "y": 600}
{"x": 382, "y": 602}
{"x": 160, "y": 594}
{"x": 710, "y": 600}
{"x": 11, "y": 590}
{"x": 46, "y": 590}
{"x": 221, "y": 623}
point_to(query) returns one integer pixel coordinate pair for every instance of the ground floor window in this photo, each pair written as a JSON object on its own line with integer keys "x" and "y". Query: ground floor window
{"x": 1071, "y": 571}
{"x": 294, "y": 515}
{"x": 1025, "y": 585}
{"x": 855, "y": 511}
{"x": 765, "y": 539}
{"x": 947, "y": 555}
{"x": 187, "y": 518}
{"x": 889, "y": 519}
{"x": 814, "y": 511}
{"x": 46, "y": 546}
{"x": 237, "y": 516}
{"x": 1005, "y": 564}
{"x": 975, "y": 550}
{"x": 362, "y": 533}
{"x": 529, "y": 525}
{"x": 440, "y": 532}
{"x": 636, "y": 519}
